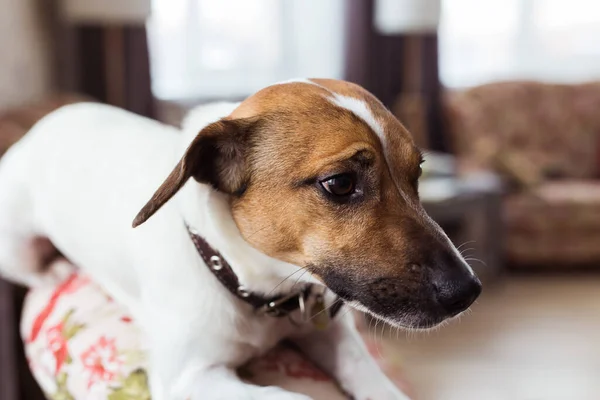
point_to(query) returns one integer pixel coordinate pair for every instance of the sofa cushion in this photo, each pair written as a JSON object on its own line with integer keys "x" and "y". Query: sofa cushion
{"x": 558, "y": 222}
{"x": 82, "y": 345}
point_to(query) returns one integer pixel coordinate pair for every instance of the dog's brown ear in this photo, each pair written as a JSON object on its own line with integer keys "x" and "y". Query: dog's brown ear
{"x": 217, "y": 156}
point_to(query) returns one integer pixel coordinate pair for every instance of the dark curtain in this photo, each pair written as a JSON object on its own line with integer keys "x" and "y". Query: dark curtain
{"x": 109, "y": 63}
{"x": 401, "y": 70}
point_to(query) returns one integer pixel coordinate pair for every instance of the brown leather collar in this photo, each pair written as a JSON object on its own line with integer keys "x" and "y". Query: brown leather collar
{"x": 276, "y": 306}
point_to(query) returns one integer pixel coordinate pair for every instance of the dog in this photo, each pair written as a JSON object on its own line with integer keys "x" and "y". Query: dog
{"x": 306, "y": 192}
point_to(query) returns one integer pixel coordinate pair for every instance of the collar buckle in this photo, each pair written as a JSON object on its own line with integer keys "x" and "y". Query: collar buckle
{"x": 287, "y": 304}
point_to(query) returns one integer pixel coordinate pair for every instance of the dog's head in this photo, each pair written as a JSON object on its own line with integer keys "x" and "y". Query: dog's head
{"x": 321, "y": 175}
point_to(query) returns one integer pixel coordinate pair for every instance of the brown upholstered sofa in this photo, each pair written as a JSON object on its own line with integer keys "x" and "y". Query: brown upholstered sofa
{"x": 544, "y": 139}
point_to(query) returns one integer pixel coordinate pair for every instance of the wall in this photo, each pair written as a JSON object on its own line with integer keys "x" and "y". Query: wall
{"x": 24, "y": 55}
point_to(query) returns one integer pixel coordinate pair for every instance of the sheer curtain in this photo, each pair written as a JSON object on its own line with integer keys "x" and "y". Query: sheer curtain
{"x": 205, "y": 49}
{"x": 549, "y": 40}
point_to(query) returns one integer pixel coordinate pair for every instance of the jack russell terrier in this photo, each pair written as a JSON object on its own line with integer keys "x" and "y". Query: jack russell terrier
{"x": 303, "y": 196}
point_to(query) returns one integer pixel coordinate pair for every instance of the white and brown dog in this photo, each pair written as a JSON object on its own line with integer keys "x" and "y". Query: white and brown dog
{"x": 311, "y": 180}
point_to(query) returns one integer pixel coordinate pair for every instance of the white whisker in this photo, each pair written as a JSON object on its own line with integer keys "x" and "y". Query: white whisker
{"x": 465, "y": 243}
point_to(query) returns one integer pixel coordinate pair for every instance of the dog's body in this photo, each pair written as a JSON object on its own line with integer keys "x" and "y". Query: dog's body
{"x": 83, "y": 172}
{"x": 132, "y": 153}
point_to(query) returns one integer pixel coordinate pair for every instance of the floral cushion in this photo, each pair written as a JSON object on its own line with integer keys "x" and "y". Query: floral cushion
{"x": 80, "y": 344}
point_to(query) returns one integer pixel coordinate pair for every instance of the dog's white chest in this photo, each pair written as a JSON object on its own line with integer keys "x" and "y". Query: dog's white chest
{"x": 260, "y": 334}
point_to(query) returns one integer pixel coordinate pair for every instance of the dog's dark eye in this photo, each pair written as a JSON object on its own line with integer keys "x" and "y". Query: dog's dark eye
{"x": 340, "y": 185}
{"x": 421, "y": 161}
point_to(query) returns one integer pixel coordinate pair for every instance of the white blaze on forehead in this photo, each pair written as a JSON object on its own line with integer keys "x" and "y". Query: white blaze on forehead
{"x": 360, "y": 108}
{"x": 362, "y": 111}
{"x": 299, "y": 80}
{"x": 352, "y": 104}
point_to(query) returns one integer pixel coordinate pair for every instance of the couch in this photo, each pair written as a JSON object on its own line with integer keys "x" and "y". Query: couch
{"x": 544, "y": 140}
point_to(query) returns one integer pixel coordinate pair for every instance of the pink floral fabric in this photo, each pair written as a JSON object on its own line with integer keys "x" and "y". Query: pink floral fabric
{"x": 82, "y": 345}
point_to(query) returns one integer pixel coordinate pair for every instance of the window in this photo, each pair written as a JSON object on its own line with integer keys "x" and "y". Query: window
{"x": 552, "y": 40}
{"x": 205, "y": 49}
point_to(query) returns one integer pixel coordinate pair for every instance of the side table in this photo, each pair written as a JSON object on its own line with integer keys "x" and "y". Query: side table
{"x": 470, "y": 210}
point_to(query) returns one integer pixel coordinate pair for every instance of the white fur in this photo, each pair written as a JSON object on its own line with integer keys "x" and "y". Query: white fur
{"x": 362, "y": 111}
{"x": 81, "y": 175}
{"x": 356, "y": 106}
{"x": 299, "y": 80}
{"x": 306, "y": 81}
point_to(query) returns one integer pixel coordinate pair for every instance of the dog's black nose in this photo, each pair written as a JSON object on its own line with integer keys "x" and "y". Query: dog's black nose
{"x": 456, "y": 295}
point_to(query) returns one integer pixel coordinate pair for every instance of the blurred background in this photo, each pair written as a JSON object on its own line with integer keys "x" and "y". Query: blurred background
{"x": 504, "y": 96}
